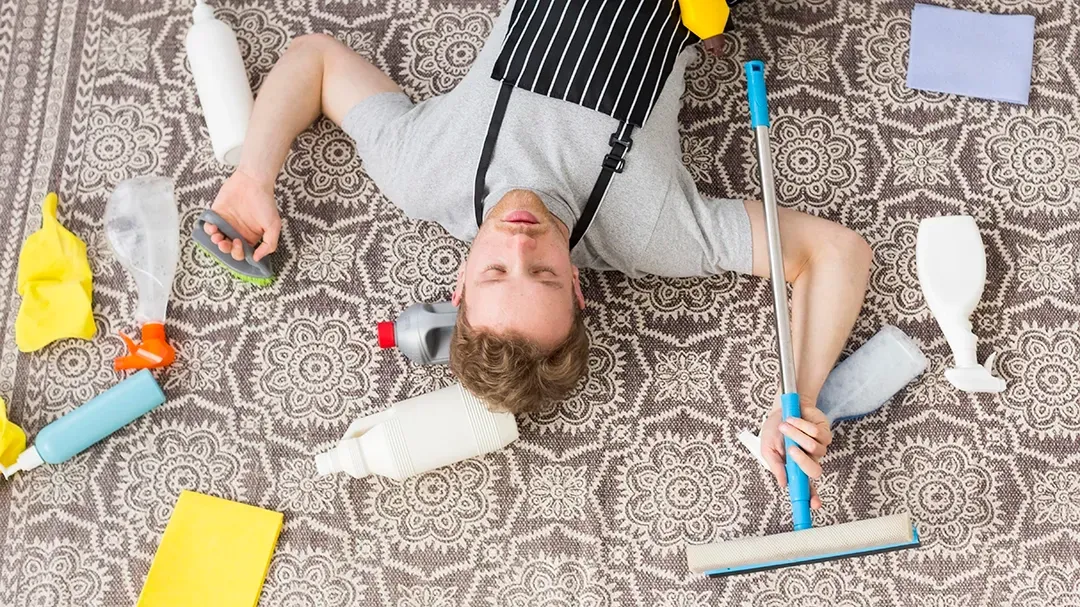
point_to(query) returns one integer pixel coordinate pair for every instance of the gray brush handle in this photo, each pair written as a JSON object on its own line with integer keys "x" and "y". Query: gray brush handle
{"x": 247, "y": 265}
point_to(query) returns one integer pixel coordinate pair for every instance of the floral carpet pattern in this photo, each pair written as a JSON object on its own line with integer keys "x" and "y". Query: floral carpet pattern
{"x": 591, "y": 507}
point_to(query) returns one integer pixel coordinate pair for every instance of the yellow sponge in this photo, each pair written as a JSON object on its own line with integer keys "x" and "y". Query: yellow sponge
{"x": 215, "y": 553}
{"x": 55, "y": 284}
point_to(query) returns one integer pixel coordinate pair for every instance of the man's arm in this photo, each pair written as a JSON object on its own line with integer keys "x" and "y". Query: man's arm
{"x": 316, "y": 75}
{"x": 828, "y": 266}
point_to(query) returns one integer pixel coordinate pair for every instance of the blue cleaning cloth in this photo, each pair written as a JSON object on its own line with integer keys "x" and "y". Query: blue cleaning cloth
{"x": 973, "y": 54}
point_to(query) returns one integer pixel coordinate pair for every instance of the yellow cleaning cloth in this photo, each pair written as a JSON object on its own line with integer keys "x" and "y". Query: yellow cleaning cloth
{"x": 55, "y": 284}
{"x": 215, "y": 553}
{"x": 12, "y": 439}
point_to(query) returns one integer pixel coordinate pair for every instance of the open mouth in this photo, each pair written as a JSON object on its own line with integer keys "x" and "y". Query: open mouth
{"x": 520, "y": 217}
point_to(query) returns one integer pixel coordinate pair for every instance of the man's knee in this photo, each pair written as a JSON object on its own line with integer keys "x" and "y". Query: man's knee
{"x": 852, "y": 247}
{"x": 313, "y": 43}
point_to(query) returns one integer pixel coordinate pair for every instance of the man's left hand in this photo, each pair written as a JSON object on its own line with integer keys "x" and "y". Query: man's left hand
{"x": 813, "y": 435}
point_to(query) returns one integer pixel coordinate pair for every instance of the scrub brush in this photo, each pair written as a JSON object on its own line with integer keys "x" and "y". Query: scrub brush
{"x": 804, "y": 545}
{"x": 259, "y": 273}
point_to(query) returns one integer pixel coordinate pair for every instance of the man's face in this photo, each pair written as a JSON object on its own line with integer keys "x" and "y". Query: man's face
{"x": 518, "y": 273}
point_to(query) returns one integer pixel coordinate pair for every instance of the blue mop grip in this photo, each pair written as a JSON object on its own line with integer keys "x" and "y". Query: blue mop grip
{"x": 755, "y": 91}
{"x": 798, "y": 482}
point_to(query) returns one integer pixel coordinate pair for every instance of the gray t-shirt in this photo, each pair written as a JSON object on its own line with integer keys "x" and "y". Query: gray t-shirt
{"x": 652, "y": 221}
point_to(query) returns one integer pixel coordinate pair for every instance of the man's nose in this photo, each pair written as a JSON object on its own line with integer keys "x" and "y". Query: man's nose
{"x": 523, "y": 243}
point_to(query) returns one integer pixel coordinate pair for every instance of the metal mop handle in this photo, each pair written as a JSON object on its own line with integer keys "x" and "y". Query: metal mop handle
{"x": 798, "y": 482}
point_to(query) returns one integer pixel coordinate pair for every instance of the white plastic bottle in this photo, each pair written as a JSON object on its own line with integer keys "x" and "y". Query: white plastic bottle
{"x": 951, "y": 263}
{"x": 221, "y": 81}
{"x": 868, "y": 378}
{"x": 419, "y": 434}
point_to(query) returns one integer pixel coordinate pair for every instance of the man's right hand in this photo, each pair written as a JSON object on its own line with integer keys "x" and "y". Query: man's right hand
{"x": 812, "y": 433}
{"x": 248, "y": 205}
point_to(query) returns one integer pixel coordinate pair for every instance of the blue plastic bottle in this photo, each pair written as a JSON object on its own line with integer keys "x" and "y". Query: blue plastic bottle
{"x": 99, "y": 417}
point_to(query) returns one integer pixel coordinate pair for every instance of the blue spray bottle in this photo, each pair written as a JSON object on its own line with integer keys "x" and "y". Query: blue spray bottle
{"x": 80, "y": 429}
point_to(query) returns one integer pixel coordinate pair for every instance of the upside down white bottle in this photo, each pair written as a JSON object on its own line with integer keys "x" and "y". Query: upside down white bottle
{"x": 419, "y": 434}
{"x": 220, "y": 79}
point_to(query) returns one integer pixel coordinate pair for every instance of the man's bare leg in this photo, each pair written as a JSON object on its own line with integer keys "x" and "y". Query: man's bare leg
{"x": 316, "y": 75}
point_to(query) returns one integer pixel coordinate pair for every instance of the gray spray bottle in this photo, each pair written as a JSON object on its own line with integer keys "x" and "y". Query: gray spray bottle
{"x": 422, "y": 332}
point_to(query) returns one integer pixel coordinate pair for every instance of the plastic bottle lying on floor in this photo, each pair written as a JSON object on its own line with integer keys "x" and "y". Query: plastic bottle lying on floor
{"x": 79, "y": 429}
{"x": 951, "y": 263}
{"x": 864, "y": 381}
{"x": 141, "y": 227}
{"x": 880, "y": 368}
{"x": 422, "y": 332}
{"x": 221, "y": 81}
{"x": 420, "y": 434}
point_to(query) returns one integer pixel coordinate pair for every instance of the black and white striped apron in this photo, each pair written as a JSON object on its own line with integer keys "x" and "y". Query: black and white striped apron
{"x": 612, "y": 56}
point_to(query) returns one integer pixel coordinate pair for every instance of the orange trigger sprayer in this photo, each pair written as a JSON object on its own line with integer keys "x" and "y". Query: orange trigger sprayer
{"x": 151, "y": 353}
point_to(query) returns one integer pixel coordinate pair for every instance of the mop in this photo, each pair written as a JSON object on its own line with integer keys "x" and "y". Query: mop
{"x": 805, "y": 544}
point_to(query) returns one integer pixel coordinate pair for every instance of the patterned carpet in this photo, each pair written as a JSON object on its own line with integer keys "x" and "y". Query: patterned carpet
{"x": 594, "y": 503}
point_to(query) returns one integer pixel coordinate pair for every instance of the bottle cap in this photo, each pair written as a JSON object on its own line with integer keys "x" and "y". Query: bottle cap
{"x": 327, "y": 463}
{"x": 28, "y": 460}
{"x": 386, "y": 335}
{"x": 203, "y": 12}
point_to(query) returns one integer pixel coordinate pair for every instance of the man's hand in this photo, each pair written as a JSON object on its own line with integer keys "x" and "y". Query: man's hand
{"x": 317, "y": 74}
{"x": 811, "y": 432}
{"x": 248, "y": 205}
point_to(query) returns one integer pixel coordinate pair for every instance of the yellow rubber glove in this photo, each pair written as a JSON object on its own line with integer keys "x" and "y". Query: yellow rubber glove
{"x": 12, "y": 439}
{"x": 55, "y": 284}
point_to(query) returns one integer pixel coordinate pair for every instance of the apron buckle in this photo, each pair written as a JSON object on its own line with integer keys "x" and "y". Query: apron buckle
{"x": 614, "y": 140}
{"x": 613, "y": 162}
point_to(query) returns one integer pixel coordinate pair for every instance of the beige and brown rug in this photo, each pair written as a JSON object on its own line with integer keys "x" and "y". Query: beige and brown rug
{"x": 593, "y": 505}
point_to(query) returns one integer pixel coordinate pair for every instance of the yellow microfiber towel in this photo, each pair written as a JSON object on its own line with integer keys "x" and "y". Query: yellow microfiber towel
{"x": 55, "y": 284}
{"x": 12, "y": 439}
{"x": 215, "y": 553}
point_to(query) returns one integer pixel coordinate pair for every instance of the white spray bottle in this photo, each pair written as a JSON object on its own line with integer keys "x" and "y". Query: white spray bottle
{"x": 221, "y": 81}
{"x": 951, "y": 265}
{"x": 420, "y": 434}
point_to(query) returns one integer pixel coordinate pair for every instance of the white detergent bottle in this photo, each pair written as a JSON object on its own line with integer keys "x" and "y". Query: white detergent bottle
{"x": 419, "y": 434}
{"x": 221, "y": 81}
{"x": 951, "y": 264}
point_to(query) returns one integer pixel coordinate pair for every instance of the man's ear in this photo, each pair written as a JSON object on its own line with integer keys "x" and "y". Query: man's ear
{"x": 459, "y": 288}
{"x": 578, "y": 295}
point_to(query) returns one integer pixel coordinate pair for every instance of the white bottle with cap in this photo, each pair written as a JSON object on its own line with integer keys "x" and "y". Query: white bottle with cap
{"x": 951, "y": 263}
{"x": 221, "y": 81}
{"x": 419, "y": 434}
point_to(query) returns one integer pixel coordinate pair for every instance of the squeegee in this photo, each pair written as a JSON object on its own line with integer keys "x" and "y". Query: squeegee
{"x": 805, "y": 544}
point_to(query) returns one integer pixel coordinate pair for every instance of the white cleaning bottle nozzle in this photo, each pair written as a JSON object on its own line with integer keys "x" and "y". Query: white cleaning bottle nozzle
{"x": 347, "y": 457}
{"x": 202, "y": 12}
{"x": 27, "y": 460}
{"x": 951, "y": 263}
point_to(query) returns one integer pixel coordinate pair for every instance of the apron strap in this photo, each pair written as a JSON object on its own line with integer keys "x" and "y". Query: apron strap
{"x": 494, "y": 125}
{"x": 614, "y": 162}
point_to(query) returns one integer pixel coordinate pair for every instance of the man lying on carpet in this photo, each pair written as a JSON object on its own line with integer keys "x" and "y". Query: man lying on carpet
{"x": 530, "y": 169}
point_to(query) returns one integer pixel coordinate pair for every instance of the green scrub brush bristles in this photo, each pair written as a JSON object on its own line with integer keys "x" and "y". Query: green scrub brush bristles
{"x": 258, "y": 281}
